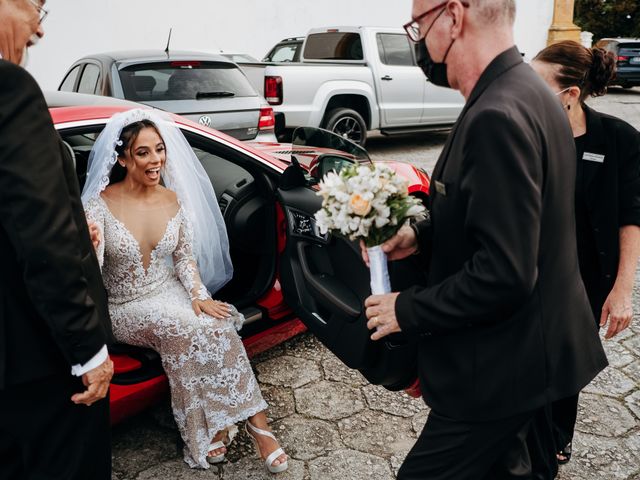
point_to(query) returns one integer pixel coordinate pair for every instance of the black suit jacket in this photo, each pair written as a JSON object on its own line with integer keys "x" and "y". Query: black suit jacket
{"x": 53, "y": 310}
{"x": 505, "y": 321}
{"x": 611, "y": 190}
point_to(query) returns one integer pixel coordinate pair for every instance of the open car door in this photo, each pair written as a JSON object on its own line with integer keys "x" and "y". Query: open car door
{"x": 324, "y": 278}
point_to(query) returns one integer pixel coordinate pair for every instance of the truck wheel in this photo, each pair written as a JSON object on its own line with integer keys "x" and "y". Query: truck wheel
{"x": 348, "y": 124}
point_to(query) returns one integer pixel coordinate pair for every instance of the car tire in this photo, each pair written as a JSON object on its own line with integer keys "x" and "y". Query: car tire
{"x": 347, "y": 123}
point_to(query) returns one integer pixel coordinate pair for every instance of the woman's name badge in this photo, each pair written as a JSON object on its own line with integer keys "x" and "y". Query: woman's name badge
{"x": 441, "y": 188}
{"x": 593, "y": 157}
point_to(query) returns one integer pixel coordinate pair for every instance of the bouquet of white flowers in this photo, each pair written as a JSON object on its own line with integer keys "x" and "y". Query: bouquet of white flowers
{"x": 369, "y": 203}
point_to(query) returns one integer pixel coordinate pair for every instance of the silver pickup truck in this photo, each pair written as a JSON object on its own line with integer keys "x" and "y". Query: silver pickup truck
{"x": 356, "y": 79}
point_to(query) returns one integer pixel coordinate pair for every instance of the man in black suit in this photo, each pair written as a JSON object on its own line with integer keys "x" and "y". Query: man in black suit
{"x": 54, "y": 324}
{"x": 505, "y": 324}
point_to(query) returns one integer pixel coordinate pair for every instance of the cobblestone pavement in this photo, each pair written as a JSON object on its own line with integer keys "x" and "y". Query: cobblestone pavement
{"x": 336, "y": 426}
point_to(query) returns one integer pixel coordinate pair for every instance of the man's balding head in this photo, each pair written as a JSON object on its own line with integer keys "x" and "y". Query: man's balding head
{"x": 494, "y": 11}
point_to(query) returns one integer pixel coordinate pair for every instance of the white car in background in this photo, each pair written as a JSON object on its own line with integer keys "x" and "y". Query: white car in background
{"x": 351, "y": 80}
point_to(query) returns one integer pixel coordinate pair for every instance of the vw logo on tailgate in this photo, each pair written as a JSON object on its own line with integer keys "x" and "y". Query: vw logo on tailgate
{"x": 205, "y": 120}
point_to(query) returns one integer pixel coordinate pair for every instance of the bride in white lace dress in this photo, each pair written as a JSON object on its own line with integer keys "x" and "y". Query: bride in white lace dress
{"x": 156, "y": 296}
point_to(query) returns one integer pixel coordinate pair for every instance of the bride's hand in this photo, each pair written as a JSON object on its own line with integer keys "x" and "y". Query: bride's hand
{"x": 94, "y": 233}
{"x": 211, "y": 307}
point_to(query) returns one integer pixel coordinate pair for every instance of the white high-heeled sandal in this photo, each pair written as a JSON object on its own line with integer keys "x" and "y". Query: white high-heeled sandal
{"x": 273, "y": 456}
{"x": 216, "y": 458}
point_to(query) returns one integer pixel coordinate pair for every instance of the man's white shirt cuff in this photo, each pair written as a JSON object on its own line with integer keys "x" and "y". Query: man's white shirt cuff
{"x": 79, "y": 370}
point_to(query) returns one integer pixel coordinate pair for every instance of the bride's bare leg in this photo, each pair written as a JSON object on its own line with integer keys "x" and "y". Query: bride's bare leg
{"x": 266, "y": 444}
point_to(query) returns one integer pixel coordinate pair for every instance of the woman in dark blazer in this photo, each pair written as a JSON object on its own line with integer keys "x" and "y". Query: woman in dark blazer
{"x": 607, "y": 197}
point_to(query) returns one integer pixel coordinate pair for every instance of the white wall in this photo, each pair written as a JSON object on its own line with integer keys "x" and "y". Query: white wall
{"x": 79, "y": 27}
{"x": 532, "y": 25}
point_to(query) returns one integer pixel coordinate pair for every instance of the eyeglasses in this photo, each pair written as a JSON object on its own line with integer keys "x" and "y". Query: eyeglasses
{"x": 41, "y": 11}
{"x": 413, "y": 27}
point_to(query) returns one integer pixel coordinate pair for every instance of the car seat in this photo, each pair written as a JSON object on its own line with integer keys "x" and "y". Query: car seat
{"x": 143, "y": 86}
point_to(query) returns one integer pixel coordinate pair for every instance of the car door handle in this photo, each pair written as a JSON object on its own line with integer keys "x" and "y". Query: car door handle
{"x": 387, "y": 78}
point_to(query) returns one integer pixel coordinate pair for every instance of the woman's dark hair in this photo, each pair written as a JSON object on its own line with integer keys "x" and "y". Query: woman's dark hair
{"x": 128, "y": 137}
{"x": 590, "y": 69}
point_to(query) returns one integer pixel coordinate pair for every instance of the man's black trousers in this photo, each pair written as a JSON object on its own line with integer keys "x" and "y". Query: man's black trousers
{"x": 44, "y": 435}
{"x": 451, "y": 449}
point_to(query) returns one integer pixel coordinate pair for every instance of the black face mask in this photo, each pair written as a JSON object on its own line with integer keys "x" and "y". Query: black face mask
{"x": 436, "y": 72}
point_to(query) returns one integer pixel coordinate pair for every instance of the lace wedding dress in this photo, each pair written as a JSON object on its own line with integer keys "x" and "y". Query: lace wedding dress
{"x": 151, "y": 284}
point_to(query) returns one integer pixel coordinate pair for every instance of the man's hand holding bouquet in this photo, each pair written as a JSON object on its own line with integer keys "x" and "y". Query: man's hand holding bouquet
{"x": 367, "y": 203}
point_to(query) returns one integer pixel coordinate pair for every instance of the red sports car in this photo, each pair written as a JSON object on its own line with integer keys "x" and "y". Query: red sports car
{"x": 287, "y": 276}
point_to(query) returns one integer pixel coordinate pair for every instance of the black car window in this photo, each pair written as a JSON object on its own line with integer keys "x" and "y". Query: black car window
{"x": 334, "y": 46}
{"x": 629, "y": 49}
{"x": 70, "y": 80}
{"x": 184, "y": 80}
{"x": 89, "y": 79}
{"x": 395, "y": 49}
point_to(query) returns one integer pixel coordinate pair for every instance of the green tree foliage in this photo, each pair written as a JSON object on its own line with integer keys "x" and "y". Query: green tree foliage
{"x": 608, "y": 18}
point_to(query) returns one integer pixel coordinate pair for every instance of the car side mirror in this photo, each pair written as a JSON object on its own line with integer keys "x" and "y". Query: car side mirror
{"x": 327, "y": 163}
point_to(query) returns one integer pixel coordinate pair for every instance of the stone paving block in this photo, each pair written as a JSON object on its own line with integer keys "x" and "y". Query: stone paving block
{"x": 633, "y": 402}
{"x": 599, "y": 415}
{"x": 396, "y": 462}
{"x": 633, "y": 371}
{"x": 632, "y": 442}
{"x": 252, "y": 468}
{"x": 350, "y": 465}
{"x": 421, "y": 150}
{"x": 176, "y": 470}
{"x": 280, "y": 400}
{"x": 288, "y": 371}
{"x": 141, "y": 444}
{"x": 377, "y": 433}
{"x": 633, "y": 344}
{"x": 395, "y": 403}
{"x": 619, "y": 338}
{"x": 419, "y": 420}
{"x": 273, "y": 352}
{"x": 599, "y": 458}
{"x": 306, "y": 438}
{"x": 307, "y": 346}
{"x": 328, "y": 400}
{"x": 611, "y": 382}
{"x": 617, "y": 354}
{"x": 337, "y": 371}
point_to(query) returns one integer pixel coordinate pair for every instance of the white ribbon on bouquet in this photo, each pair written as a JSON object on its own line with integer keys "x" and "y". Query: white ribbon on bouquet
{"x": 380, "y": 283}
